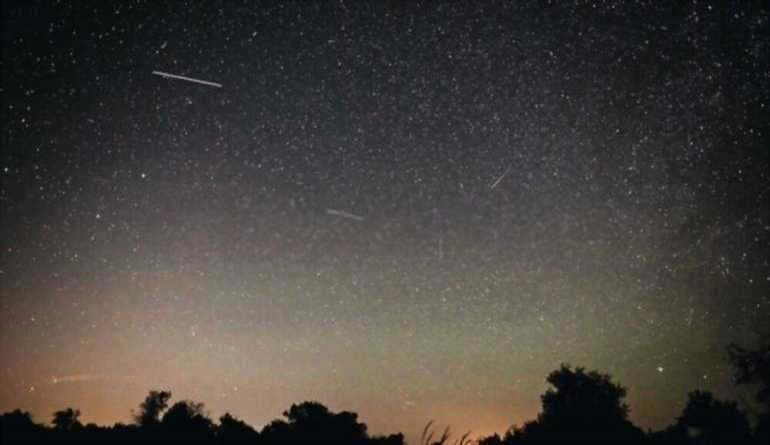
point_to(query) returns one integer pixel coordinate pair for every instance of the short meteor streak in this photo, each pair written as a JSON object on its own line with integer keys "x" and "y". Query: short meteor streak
{"x": 188, "y": 79}
{"x": 500, "y": 178}
{"x": 76, "y": 378}
{"x": 344, "y": 214}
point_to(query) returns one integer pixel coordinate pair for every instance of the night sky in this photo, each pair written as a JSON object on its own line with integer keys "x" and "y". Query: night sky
{"x": 409, "y": 210}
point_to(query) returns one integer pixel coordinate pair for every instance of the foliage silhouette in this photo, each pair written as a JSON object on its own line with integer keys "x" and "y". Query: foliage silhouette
{"x": 391, "y": 439}
{"x": 186, "y": 416}
{"x": 494, "y": 439}
{"x": 427, "y": 436}
{"x": 66, "y": 419}
{"x": 17, "y": 420}
{"x": 752, "y": 367}
{"x": 706, "y": 420}
{"x": 233, "y": 431}
{"x": 579, "y": 407}
{"x": 584, "y": 406}
{"x": 152, "y": 407}
{"x": 187, "y": 421}
{"x": 312, "y": 422}
{"x": 17, "y": 427}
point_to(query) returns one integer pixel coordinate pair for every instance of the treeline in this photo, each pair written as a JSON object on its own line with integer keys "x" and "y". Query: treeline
{"x": 580, "y": 407}
{"x": 186, "y": 422}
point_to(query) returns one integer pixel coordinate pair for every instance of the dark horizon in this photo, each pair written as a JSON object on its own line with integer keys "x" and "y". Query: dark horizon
{"x": 410, "y": 210}
{"x": 580, "y": 406}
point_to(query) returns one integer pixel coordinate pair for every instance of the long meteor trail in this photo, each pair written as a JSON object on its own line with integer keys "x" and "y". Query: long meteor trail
{"x": 188, "y": 79}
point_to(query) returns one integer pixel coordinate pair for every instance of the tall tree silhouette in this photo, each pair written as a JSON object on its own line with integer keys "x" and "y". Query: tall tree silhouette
{"x": 152, "y": 407}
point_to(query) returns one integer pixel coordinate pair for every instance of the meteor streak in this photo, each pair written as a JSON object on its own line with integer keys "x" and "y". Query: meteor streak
{"x": 189, "y": 79}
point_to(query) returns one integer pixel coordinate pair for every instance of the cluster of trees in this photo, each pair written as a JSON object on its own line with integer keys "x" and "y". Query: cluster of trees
{"x": 588, "y": 407}
{"x": 186, "y": 422}
{"x": 581, "y": 407}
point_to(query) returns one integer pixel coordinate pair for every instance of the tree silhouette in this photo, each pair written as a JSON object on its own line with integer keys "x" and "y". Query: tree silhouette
{"x": 312, "y": 422}
{"x": 392, "y": 439}
{"x": 752, "y": 367}
{"x": 307, "y": 413}
{"x": 584, "y": 406}
{"x": 17, "y": 422}
{"x": 494, "y": 439}
{"x": 582, "y": 399}
{"x": 17, "y": 427}
{"x": 579, "y": 407}
{"x": 66, "y": 419}
{"x": 187, "y": 417}
{"x": 708, "y": 420}
{"x": 234, "y": 431}
{"x": 152, "y": 407}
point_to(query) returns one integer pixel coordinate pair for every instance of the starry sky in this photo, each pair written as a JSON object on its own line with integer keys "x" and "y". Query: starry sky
{"x": 411, "y": 210}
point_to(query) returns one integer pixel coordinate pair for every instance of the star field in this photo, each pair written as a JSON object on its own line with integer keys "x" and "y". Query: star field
{"x": 409, "y": 210}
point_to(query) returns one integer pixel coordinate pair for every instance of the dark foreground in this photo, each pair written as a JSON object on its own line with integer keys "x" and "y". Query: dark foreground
{"x": 580, "y": 407}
